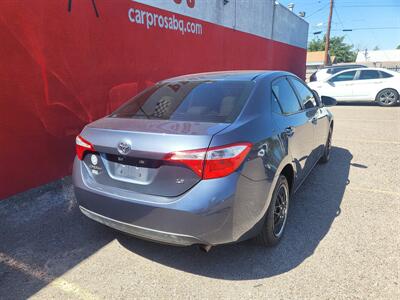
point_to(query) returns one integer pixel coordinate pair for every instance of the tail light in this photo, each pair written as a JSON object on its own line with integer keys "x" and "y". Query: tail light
{"x": 82, "y": 146}
{"x": 213, "y": 162}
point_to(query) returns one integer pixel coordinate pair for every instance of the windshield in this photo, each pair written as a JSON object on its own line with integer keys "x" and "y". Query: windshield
{"x": 200, "y": 101}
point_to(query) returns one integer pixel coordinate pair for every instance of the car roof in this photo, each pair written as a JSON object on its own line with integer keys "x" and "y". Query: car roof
{"x": 242, "y": 75}
{"x": 362, "y": 69}
{"x": 376, "y": 69}
{"x": 366, "y": 68}
{"x": 345, "y": 66}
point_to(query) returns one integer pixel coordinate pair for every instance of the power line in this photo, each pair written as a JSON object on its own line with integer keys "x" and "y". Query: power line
{"x": 364, "y": 28}
{"x": 371, "y": 5}
{"x": 368, "y": 28}
{"x": 341, "y": 23}
{"x": 337, "y": 15}
{"x": 317, "y": 11}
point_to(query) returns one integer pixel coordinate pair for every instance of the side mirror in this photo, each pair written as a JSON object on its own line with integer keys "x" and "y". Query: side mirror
{"x": 328, "y": 101}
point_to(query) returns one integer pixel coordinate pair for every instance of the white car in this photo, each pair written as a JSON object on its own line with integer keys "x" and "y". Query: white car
{"x": 327, "y": 72}
{"x": 362, "y": 84}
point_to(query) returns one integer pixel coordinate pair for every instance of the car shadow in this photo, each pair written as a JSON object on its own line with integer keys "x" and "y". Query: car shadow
{"x": 312, "y": 212}
{"x": 42, "y": 236}
{"x": 357, "y": 103}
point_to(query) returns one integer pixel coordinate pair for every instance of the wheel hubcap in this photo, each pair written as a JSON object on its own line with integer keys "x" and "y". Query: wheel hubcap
{"x": 387, "y": 97}
{"x": 280, "y": 211}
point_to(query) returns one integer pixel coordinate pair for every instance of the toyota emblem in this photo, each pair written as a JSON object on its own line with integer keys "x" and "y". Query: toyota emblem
{"x": 124, "y": 147}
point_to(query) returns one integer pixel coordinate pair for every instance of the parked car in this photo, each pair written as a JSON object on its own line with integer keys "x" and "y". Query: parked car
{"x": 203, "y": 159}
{"x": 327, "y": 72}
{"x": 366, "y": 84}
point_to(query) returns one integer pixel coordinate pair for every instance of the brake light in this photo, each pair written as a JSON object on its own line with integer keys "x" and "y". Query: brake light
{"x": 194, "y": 159}
{"x": 213, "y": 162}
{"x": 222, "y": 161}
{"x": 82, "y": 146}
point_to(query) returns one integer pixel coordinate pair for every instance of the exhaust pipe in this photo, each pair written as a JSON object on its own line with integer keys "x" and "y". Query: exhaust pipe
{"x": 205, "y": 248}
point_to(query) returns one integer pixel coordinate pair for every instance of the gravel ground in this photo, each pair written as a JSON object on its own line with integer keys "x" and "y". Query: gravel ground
{"x": 342, "y": 239}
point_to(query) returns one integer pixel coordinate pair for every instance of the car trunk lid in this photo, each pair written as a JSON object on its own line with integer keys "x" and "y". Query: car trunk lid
{"x": 143, "y": 167}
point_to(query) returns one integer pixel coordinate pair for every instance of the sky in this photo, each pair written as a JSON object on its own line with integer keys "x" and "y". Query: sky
{"x": 375, "y": 23}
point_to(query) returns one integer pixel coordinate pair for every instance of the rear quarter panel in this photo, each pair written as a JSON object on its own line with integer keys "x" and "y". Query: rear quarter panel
{"x": 259, "y": 173}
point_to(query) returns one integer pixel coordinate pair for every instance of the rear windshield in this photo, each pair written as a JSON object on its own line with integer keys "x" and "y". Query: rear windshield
{"x": 200, "y": 101}
{"x": 339, "y": 69}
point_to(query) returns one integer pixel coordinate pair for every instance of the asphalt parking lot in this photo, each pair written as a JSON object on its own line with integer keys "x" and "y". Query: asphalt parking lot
{"x": 342, "y": 239}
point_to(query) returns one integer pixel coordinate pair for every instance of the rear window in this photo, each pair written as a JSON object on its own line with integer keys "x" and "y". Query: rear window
{"x": 200, "y": 101}
{"x": 337, "y": 70}
{"x": 385, "y": 75}
{"x": 286, "y": 96}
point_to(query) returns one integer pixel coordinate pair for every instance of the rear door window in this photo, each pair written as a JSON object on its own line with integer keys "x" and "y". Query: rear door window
{"x": 286, "y": 96}
{"x": 276, "y": 107}
{"x": 368, "y": 74}
{"x": 345, "y": 76}
{"x": 306, "y": 96}
{"x": 199, "y": 101}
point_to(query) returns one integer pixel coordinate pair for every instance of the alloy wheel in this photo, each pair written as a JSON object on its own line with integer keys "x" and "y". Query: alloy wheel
{"x": 281, "y": 210}
{"x": 387, "y": 98}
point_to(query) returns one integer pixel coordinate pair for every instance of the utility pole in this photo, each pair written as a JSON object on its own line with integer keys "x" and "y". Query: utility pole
{"x": 328, "y": 34}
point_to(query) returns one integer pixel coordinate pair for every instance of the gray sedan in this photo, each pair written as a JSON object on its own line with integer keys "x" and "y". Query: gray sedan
{"x": 204, "y": 159}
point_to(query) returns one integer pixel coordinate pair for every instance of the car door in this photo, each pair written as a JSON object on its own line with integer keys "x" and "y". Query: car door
{"x": 366, "y": 84}
{"x": 315, "y": 116}
{"x": 293, "y": 124}
{"x": 340, "y": 86}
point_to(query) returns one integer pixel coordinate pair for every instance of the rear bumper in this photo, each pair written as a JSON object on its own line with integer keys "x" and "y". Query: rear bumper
{"x": 145, "y": 233}
{"x": 173, "y": 223}
{"x": 215, "y": 211}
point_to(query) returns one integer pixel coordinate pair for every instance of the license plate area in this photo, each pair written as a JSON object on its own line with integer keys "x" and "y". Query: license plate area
{"x": 128, "y": 173}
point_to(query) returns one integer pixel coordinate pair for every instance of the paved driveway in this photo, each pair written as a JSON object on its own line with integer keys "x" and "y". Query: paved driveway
{"x": 342, "y": 239}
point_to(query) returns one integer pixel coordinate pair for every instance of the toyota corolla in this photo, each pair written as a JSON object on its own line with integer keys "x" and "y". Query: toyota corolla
{"x": 204, "y": 159}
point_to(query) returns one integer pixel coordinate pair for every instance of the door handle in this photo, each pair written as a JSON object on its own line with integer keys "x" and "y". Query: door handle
{"x": 289, "y": 131}
{"x": 314, "y": 120}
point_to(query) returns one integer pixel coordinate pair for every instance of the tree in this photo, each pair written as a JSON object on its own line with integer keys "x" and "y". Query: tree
{"x": 398, "y": 47}
{"x": 337, "y": 47}
{"x": 376, "y": 48}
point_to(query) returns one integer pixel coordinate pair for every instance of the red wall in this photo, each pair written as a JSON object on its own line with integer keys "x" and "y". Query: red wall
{"x": 61, "y": 70}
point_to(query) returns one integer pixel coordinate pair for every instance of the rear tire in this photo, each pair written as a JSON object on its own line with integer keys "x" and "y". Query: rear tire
{"x": 328, "y": 146}
{"x": 276, "y": 216}
{"x": 387, "y": 97}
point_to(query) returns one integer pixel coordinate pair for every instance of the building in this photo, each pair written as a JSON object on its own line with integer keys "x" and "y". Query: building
{"x": 315, "y": 60}
{"x": 380, "y": 58}
{"x": 67, "y": 63}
